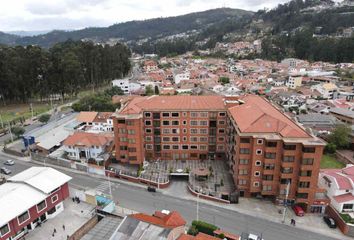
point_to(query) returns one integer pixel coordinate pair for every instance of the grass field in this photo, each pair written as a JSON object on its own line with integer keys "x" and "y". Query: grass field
{"x": 14, "y": 111}
{"x": 329, "y": 161}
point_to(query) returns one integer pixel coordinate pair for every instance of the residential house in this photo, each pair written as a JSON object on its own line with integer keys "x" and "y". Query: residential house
{"x": 317, "y": 122}
{"x": 339, "y": 184}
{"x": 30, "y": 198}
{"x": 327, "y": 90}
{"x": 294, "y": 82}
{"x": 95, "y": 121}
{"x": 84, "y": 146}
{"x": 344, "y": 115}
{"x": 162, "y": 225}
{"x": 127, "y": 86}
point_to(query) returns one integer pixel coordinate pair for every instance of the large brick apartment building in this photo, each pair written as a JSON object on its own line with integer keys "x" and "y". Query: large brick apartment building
{"x": 264, "y": 148}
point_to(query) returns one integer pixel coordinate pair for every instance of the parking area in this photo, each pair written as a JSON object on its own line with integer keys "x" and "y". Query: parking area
{"x": 72, "y": 218}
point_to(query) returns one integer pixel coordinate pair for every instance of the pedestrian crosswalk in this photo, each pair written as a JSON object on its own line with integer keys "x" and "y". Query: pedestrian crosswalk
{"x": 103, "y": 187}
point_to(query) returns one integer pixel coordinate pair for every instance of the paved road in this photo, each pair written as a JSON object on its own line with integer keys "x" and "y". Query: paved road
{"x": 138, "y": 199}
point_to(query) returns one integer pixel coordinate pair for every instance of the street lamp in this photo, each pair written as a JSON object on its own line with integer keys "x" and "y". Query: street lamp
{"x": 286, "y": 201}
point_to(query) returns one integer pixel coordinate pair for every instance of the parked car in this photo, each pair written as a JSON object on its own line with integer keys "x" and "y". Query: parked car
{"x": 250, "y": 236}
{"x": 151, "y": 189}
{"x": 329, "y": 221}
{"x": 298, "y": 211}
{"x": 9, "y": 162}
{"x": 5, "y": 171}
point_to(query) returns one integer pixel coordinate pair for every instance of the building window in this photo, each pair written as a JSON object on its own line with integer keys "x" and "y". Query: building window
{"x": 23, "y": 217}
{"x": 267, "y": 188}
{"x": 194, "y": 123}
{"x": 131, "y": 131}
{"x": 166, "y": 139}
{"x": 175, "y": 123}
{"x": 185, "y": 147}
{"x": 4, "y": 230}
{"x": 257, "y": 173}
{"x": 175, "y": 114}
{"x": 203, "y": 147}
{"x": 267, "y": 177}
{"x": 221, "y": 130}
{"x": 203, "y": 131}
{"x": 243, "y": 161}
{"x": 302, "y": 195}
{"x": 242, "y": 172}
{"x": 203, "y": 139}
{"x": 204, "y": 114}
{"x": 203, "y": 123}
{"x": 258, "y": 163}
{"x": 259, "y": 141}
{"x": 194, "y": 131}
{"x": 175, "y": 147}
{"x": 309, "y": 149}
{"x": 194, "y": 147}
{"x": 148, "y": 130}
{"x": 147, "y": 123}
{"x": 304, "y": 184}
{"x": 221, "y": 122}
{"x": 41, "y": 206}
{"x": 289, "y": 147}
{"x": 270, "y": 155}
{"x": 242, "y": 182}
{"x": 256, "y": 184}
{"x": 348, "y": 206}
{"x": 244, "y": 151}
{"x": 165, "y": 123}
{"x": 54, "y": 198}
{"x": 289, "y": 159}
{"x": 272, "y": 144}
{"x": 259, "y": 152}
{"x": 306, "y": 173}
{"x": 184, "y": 114}
{"x": 175, "y": 130}
{"x": 194, "y": 114}
{"x": 194, "y": 139}
{"x": 166, "y": 147}
{"x": 287, "y": 170}
{"x": 184, "y": 130}
{"x": 220, "y": 147}
{"x": 268, "y": 166}
{"x": 166, "y": 131}
{"x": 184, "y": 139}
{"x": 245, "y": 140}
{"x": 147, "y": 114}
{"x": 148, "y": 138}
{"x": 221, "y": 139}
{"x": 175, "y": 139}
{"x": 307, "y": 161}
{"x": 184, "y": 122}
{"x": 165, "y": 114}
{"x": 121, "y": 121}
{"x": 222, "y": 114}
{"x": 148, "y": 146}
{"x": 130, "y": 123}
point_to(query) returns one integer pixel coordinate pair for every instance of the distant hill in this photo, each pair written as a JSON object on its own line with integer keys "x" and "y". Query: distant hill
{"x": 8, "y": 39}
{"x": 135, "y": 30}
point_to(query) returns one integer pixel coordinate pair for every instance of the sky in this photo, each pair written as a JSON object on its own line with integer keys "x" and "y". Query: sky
{"x": 34, "y": 15}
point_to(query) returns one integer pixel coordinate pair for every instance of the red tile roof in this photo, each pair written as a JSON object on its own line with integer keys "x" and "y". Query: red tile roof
{"x": 102, "y": 116}
{"x": 86, "y": 116}
{"x": 88, "y": 139}
{"x": 257, "y": 115}
{"x": 171, "y": 220}
{"x": 344, "y": 198}
{"x": 177, "y": 103}
{"x": 344, "y": 177}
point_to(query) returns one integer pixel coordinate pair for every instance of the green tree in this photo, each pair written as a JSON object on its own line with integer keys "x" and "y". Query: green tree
{"x": 18, "y": 131}
{"x": 114, "y": 91}
{"x": 157, "y": 91}
{"x": 224, "y": 80}
{"x": 330, "y": 148}
{"x": 44, "y": 118}
{"x": 340, "y": 136}
{"x": 149, "y": 90}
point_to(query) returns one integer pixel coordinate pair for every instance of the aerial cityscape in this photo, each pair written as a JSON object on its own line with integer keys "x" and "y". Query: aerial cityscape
{"x": 178, "y": 120}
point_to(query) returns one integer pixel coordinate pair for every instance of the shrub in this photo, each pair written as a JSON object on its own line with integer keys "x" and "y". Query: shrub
{"x": 204, "y": 227}
{"x": 330, "y": 148}
{"x": 192, "y": 230}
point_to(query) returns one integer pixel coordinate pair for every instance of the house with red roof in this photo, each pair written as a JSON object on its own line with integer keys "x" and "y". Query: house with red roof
{"x": 339, "y": 184}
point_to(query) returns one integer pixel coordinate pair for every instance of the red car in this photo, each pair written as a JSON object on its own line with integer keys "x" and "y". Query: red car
{"x": 298, "y": 211}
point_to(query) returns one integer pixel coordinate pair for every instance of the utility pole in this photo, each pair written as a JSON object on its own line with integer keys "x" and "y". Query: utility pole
{"x": 286, "y": 201}
{"x": 31, "y": 107}
{"x": 12, "y": 138}
{"x": 110, "y": 186}
{"x": 198, "y": 206}
{"x": 2, "y": 123}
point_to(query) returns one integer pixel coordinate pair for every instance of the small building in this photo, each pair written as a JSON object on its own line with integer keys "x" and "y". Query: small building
{"x": 327, "y": 90}
{"x": 95, "y": 121}
{"x": 339, "y": 184}
{"x": 317, "y": 121}
{"x": 294, "y": 82}
{"x": 162, "y": 225}
{"x": 83, "y": 146}
{"x": 29, "y": 199}
{"x": 344, "y": 115}
{"x": 126, "y": 85}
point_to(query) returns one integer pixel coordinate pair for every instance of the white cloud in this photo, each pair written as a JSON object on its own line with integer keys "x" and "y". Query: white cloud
{"x": 75, "y": 14}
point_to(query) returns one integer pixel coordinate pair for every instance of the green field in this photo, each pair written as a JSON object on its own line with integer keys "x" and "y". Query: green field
{"x": 16, "y": 111}
{"x": 329, "y": 161}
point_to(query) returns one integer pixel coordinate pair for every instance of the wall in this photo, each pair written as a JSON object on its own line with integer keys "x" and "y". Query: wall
{"x": 345, "y": 228}
{"x": 84, "y": 228}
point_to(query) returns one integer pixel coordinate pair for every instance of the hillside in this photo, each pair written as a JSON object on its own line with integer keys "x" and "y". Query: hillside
{"x": 136, "y": 30}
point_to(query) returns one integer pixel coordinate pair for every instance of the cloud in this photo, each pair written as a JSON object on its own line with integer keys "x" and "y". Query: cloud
{"x": 74, "y": 14}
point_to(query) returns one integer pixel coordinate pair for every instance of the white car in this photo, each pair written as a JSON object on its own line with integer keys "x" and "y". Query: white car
{"x": 9, "y": 162}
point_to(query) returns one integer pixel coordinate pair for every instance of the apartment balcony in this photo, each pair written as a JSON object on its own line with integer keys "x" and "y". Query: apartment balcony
{"x": 286, "y": 175}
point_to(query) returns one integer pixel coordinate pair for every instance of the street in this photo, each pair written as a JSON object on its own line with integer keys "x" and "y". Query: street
{"x": 138, "y": 199}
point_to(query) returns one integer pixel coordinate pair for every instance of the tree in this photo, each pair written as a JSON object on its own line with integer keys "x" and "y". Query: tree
{"x": 44, "y": 118}
{"x": 340, "y": 136}
{"x": 148, "y": 90}
{"x": 114, "y": 91}
{"x": 18, "y": 131}
{"x": 224, "y": 80}
{"x": 330, "y": 148}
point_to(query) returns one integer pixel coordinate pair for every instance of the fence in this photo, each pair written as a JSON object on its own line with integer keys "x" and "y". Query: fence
{"x": 347, "y": 229}
{"x": 84, "y": 228}
{"x": 59, "y": 162}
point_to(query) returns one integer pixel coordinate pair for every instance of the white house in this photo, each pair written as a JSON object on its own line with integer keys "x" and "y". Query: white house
{"x": 294, "y": 82}
{"x": 327, "y": 90}
{"x": 183, "y": 76}
{"x": 84, "y": 146}
{"x": 95, "y": 121}
{"x": 127, "y": 86}
{"x": 339, "y": 184}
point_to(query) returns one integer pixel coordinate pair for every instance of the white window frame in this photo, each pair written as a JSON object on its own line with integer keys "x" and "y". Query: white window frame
{"x": 260, "y": 152}
{"x": 29, "y": 217}
{"x": 255, "y": 184}
{"x": 260, "y": 141}
{"x": 258, "y": 163}
{"x": 8, "y": 226}
{"x": 38, "y": 211}
{"x": 51, "y": 198}
{"x": 257, "y": 173}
